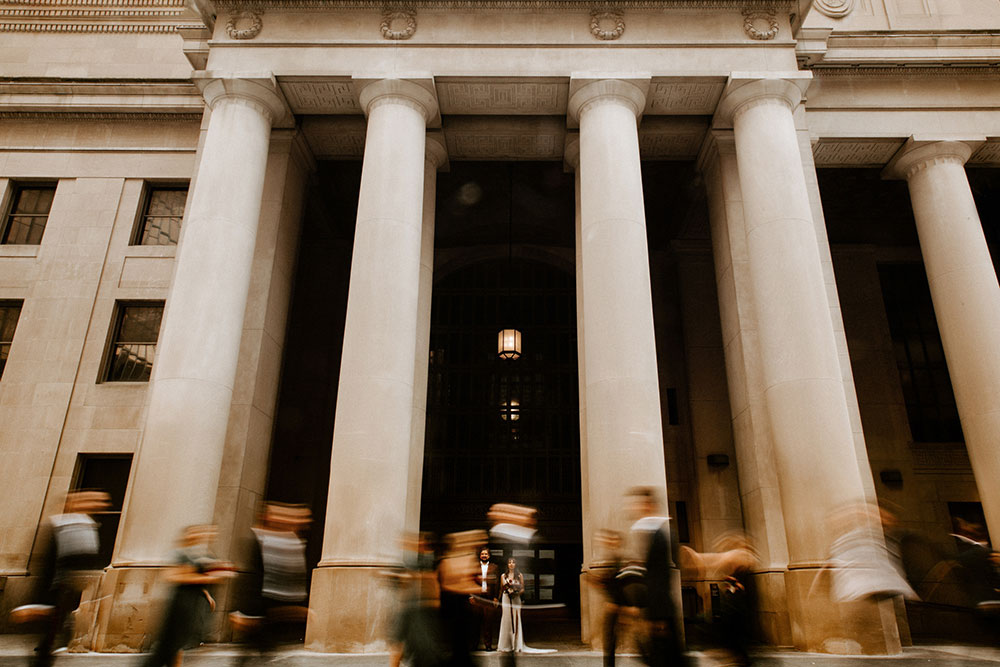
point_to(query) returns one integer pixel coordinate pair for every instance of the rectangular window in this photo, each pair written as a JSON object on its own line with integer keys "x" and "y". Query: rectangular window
{"x": 108, "y": 473}
{"x": 10, "y": 311}
{"x": 923, "y": 372}
{"x": 162, "y": 213}
{"x": 24, "y": 222}
{"x": 133, "y": 342}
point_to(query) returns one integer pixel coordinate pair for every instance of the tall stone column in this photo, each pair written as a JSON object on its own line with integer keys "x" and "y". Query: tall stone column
{"x": 436, "y": 158}
{"x": 178, "y": 462}
{"x": 177, "y": 466}
{"x": 369, "y": 468}
{"x": 966, "y": 298}
{"x": 758, "y": 478}
{"x": 813, "y": 442}
{"x": 622, "y": 433}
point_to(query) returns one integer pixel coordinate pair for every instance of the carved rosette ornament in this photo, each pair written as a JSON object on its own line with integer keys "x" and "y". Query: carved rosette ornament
{"x": 599, "y": 20}
{"x": 244, "y": 25}
{"x": 834, "y": 8}
{"x": 399, "y": 24}
{"x": 760, "y": 24}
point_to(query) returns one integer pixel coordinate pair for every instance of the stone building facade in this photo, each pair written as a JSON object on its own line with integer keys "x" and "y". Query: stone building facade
{"x": 758, "y": 190}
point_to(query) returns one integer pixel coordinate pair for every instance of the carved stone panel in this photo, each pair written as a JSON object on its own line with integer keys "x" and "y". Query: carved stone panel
{"x": 855, "y": 152}
{"x": 678, "y": 138}
{"x": 522, "y": 97}
{"x": 681, "y": 97}
{"x": 321, "y": 97}
{"x": 478, "y": 138}
{"x": 988, "y": 153}
{"x": 335, "y": 138}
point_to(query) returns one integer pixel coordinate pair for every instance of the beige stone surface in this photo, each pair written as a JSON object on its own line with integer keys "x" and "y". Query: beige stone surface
{"x": 369, "y": 481}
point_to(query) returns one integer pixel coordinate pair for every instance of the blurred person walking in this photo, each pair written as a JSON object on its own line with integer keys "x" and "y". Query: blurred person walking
{"x": 279, "y": 589}
{"x": 417, "y": 636}
{"x": 193, "y": 572}
{"x": 72, "y": 548}
{"x": 458, "y": 578}
{"x": 653, "y": 552}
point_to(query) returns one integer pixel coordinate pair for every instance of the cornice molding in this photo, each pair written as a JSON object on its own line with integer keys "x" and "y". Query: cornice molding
{"x": 985, "y": 71}
{"x": 88, "y": 27}
{"x": 96, "y": 3}
{"x": 100, "y": 116}
{"x": 506, "y": 5}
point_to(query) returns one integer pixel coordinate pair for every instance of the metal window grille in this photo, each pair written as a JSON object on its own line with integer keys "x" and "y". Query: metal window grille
{"x": 133, "y": 346}
{"x": 163, "y": 212}
{"x": 10, "y": 311}
{"x": 25, "y": 222}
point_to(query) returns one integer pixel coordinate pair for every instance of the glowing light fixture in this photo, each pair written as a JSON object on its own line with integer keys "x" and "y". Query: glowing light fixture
{"x": 509, "y": 344}
{"x": 511, "y": 410}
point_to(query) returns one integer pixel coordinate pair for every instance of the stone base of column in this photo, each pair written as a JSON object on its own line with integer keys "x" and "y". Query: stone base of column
{"x": 125, "y": 612}
{"x": 821, "y": 625}
{"x": 772, "y": 608}
{"x": 350, "y": 610}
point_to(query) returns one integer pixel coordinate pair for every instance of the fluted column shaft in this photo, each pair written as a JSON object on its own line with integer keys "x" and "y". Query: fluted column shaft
{"x": 966, "y": 298}
{"x": 178, "y": 463}
{"x": 623, "y": 434}
{"x": 369, "y": 470}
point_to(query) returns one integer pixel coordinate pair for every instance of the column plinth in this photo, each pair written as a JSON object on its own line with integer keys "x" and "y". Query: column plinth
{"x": 370, "y": 461}
{"x": 802, "y": 385}
{"x": 966, "y": 297}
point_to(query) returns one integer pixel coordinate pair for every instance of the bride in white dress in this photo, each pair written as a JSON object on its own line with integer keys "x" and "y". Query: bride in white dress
{"x": 512, "y": 585}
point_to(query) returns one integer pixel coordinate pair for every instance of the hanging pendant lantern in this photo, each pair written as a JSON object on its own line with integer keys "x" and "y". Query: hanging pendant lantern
{"x": 509, "y": 344}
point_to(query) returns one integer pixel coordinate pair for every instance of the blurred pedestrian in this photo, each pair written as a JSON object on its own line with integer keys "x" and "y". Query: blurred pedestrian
{"x": 417, "y": 636}
{"x": 652, "y": 545}
{"x": 72, "y": 550}
{"x": 458, "y": 574}
{"x": 193, "y": 572}
{"x": 279, "y": 589}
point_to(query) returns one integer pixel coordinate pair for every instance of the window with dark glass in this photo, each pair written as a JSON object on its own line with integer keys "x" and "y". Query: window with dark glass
{"x": 108, "y": 473}
{"x": 10, "y": 311}
{"x": 24, "y": 222}
{"x": 162, "y": 213}
{"x": 923, "y": 372}
{"x": 133, "y": 343}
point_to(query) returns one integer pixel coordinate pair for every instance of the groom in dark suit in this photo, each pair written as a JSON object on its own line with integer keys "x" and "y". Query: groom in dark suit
{"x": 487, "y": 597}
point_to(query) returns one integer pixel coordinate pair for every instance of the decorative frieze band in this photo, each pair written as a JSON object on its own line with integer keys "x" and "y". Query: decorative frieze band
{"x": 100, "y": 116}
{"x": 88, "y": 27}
{"x": 505, "y": 5}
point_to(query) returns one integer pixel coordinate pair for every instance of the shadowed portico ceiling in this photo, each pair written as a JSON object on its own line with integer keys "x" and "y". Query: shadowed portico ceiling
{"x": 507, "y": 118}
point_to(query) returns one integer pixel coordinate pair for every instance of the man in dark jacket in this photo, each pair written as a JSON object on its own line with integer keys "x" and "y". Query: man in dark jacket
{"x": 650, "y": 538}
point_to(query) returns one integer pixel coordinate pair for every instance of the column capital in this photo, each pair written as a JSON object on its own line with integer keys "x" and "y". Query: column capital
{"x": 919, "y": 152}
{"x": 417, "y": 93}
{"x": 258, "y": 90}
{"x": 746, "y": 89}
{"x": 436, "y": 151}
{"x": 587, "y": 90}
{"x": 716, "y": 143}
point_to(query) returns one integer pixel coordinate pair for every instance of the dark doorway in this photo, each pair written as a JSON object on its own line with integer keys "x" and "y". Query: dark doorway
{"x": 506, "y": 430}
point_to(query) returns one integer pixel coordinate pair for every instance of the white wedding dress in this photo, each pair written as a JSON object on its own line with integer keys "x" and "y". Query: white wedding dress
{"x": 511, "y": 631}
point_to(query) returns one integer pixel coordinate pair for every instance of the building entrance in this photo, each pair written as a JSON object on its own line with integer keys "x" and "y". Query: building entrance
{"x": 506, "y": 428}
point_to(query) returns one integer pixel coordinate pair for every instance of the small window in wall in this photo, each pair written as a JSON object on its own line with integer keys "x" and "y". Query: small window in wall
{"x": 10, "y": 311}
{"x": 923, "y": 372}
{"x": 133, "y": 342}
{"x": 109, "y": 473}
{"x": 162, "y": 213}
{"x": 24, "y": 222}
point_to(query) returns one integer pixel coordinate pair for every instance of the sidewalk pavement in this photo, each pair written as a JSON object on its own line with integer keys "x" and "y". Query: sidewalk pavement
{"x": 15, "y": 650}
